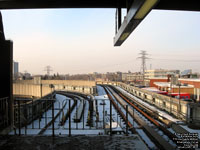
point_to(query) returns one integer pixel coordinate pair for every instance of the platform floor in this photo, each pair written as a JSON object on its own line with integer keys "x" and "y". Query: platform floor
{"x": 77, "y": 142}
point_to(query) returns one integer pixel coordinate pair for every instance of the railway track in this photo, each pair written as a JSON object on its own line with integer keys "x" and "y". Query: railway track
{"x": 155, "y": 114}
{"x": 168, "y": 123}
{"x": 149, "y": 129}
{"x": 120, "y": 111}
{"x": 66, "y": 116}
{"x": 165, "y": 123}
{"x": 52, "y": 121}
{"x": 147, "y": 113}
{"x": 79, "y": 111}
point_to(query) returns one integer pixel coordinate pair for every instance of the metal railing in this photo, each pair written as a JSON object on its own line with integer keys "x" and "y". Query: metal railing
{"x": 4, "y": 117}
{"x": 26, "y": 112}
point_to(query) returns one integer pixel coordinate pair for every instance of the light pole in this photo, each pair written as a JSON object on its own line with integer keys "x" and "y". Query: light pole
{"x": 103, "y": 114}
{"x": 103, "y": 105}
{"x": 52, "y": 86}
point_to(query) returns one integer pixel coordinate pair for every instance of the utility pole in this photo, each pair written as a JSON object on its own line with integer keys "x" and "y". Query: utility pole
{"x": 143, "y": 56}
{"x": 48, "y": 69}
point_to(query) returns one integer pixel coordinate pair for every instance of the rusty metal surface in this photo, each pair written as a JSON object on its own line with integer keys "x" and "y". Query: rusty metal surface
{"x": 160, "y": 142}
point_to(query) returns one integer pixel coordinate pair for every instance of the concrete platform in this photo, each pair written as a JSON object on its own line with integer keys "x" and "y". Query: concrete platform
{"x": 77, "y": 142}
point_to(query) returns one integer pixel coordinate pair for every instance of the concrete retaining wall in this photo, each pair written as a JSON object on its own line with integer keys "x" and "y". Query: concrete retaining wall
{"x": 31, "y": 89}
{"x": 70, "y": 82}
{"x": 59, "y": 82}
{"x": 40, "y": 90}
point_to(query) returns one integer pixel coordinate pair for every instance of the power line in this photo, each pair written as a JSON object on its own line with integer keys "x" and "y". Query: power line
{"x": 108, "y": 66}
{"x": 143, "y": 56}
{"x": 179, "y": 60}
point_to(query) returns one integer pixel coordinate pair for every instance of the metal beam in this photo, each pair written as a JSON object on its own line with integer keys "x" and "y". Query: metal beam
{"x": 119, "y": 14}
{"x": 24, "y": 4}
{"x": 191, "y": 5}
{"x": 129, "y": 23}
{"x": 136, "y": 13}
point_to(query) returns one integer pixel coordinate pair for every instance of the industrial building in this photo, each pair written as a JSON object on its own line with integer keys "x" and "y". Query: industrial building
{"x": 196, "y": 86}
{"x": 132, "y": 77}
{"x": 160, "y": 73}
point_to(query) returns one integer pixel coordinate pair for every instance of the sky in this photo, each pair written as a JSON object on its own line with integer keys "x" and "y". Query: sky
{"x": 75, "y": 41}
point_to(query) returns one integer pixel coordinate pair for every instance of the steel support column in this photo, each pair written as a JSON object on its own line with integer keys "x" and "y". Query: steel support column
{"x": 6, "y": 65}
{"x": 119, "y": 17}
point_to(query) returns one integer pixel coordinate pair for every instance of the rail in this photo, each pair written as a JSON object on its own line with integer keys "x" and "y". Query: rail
{"x": 26, "y": 112}
{"x": 79, "y": 111}
{"x": 120, "y": 111}
{"x": 159, "y": 141}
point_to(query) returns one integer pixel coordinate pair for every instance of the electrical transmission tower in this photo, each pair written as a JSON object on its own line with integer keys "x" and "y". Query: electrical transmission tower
{"x": 143, "y": 56}
{"x": 48, "y": 69}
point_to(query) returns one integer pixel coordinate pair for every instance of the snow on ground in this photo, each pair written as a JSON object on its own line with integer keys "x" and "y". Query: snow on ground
{"x": 101, "y": 94}
{"x": 79, "y": 125}
{"x": 102, "y": 97}
{"x": 76, "y": 128}
{"x": 36, "y": 126}
{"x": 103, "y": 103}
{"x": 161, "y": 113}
{"x": 101, "y": 91}
{"x": 191, "y": 130}
{"x": 146, "y": 139}
{"x": 75, "y": 132}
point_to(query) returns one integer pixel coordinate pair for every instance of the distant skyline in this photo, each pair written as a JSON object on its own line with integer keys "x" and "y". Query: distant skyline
{"x": 74, "y": 41}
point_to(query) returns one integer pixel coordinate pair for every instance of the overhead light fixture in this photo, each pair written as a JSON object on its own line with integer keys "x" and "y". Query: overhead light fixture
{"x": 124, "y": 36}
{"x": 145, "y": 9}
{"x": 137, "y": 12}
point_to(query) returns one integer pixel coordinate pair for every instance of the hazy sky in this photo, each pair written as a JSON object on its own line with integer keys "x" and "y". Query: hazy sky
{"x": 81, "y": 40}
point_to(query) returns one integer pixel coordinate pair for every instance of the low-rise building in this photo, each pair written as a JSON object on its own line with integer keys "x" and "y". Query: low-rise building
{"x": 160, "y": 73}
{"x": 171, "y": 88}
{"x": 154, "y": 80}
{"x": 131, "y": 77}
{"x": 195, "y": 83}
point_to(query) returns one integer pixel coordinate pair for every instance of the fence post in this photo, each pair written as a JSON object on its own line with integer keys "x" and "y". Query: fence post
{"x": 76, "y": 117}
{"x": 40, "y": 115}
{"x": 19, "y": 120}
{"x": 83, "y": 114}
{"x": 69, "y": 118}
{"x": 45, "y": 112}
{"x": 26, "y": 114}
{"x": 110, "y": 118}
{"x": 32, "y": 115}
{"x": 133, "y": 117}
{"x": 15, "y": 118}
{"x": 53, "y": 133}
{"x": 126, "y": 120}
{"x": 103, "y": 114}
